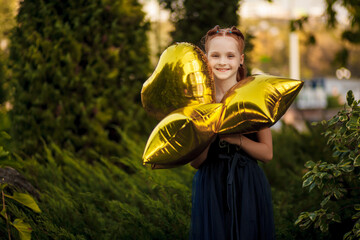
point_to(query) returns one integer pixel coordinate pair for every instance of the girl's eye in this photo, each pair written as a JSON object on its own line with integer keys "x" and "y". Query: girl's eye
{"x": 215, "y": 56}
{"x": 231, "y": 56}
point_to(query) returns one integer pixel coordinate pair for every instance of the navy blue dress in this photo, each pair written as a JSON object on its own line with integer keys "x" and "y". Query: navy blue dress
{"x": 231, "y": 197}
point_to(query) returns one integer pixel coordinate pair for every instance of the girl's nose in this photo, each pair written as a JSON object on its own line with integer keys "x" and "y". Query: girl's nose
{"x": 222, "y": 60}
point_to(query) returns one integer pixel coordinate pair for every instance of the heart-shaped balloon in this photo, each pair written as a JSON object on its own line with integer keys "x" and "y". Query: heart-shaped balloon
{"x": 181, "y": 78}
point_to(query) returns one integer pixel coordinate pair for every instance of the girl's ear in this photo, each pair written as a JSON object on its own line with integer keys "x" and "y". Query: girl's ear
{"x": 242, "y": 57}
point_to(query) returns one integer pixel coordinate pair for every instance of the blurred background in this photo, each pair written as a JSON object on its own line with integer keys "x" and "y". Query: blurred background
{"x": 288, "y": 38}
{"x": 73, "y": 129}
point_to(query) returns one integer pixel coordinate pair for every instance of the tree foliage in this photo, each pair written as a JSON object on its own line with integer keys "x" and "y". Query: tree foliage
{"x": 339, "y": 179}
{"x": 77, "y": 71}
{"x": 192, "y": 19}
{"x": 7, "y": 21}
{"x": 349, "y": 34}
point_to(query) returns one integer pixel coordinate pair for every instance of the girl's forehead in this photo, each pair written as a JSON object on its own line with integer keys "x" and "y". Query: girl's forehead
{"x": 224, "y": 43}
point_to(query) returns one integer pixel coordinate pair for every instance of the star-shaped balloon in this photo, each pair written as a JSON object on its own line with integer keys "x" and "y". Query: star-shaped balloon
{"x": 257, "y": 102}
{"x": 183, "y": 134}
{"x": 185, "y": 95}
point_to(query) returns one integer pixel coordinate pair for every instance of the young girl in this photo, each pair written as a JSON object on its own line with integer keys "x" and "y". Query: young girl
{"x": 231, "y": 196}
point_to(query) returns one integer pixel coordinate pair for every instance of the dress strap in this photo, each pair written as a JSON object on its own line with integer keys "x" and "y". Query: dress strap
{"x": 236, "y": 159}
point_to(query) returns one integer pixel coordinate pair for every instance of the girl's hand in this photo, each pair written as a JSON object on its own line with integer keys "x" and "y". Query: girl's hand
{"x": 232, "y": 138}
{"x": 261, "y": 150}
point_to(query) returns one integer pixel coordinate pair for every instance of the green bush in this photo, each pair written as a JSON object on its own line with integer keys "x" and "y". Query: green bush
{"x": 291, "y": 150}
{"x": 338, "y": 178}
{"x": 77, "y": 70}
{"x": 118, "y": 198}
{"x": 102, "y": 200}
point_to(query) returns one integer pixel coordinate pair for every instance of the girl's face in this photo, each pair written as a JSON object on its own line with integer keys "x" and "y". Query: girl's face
{"x": 224, "y": 57}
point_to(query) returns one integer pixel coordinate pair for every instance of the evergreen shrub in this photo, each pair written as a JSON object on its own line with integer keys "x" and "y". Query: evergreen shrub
{"x": 77, "y": 70}
{"x": 118, "y": 198}
{"x": 101, "y": 200}
{"x": 337, "y": 178}
{"x": 292, "y": 149}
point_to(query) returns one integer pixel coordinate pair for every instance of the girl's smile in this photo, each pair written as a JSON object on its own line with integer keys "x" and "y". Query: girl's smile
{"x": 222, "y": 69}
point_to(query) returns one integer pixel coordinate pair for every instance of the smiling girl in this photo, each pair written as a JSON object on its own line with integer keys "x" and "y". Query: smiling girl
{"x": 231, "y": 196}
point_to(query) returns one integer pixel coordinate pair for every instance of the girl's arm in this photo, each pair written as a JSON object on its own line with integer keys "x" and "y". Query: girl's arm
{"x": 262, "y": 150}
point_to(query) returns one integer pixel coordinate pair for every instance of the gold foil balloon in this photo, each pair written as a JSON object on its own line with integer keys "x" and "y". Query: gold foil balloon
{"x": 257, "y": 102}
{"x": 181, "y": 78}
{"x": 182, "y": 135}
{"x": 182, "y": 90}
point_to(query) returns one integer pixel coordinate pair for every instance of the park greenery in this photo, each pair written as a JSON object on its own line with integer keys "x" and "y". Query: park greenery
{"x": 71, "y": 145}
{"x": 337, "y": 178}
{"x": 349, "y": 33}
{"x": 193, "y": 19}
{"x": 72, "y": 84}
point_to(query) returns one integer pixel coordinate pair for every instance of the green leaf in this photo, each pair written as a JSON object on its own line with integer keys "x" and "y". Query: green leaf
{"x": 323, "y": 174}
{"x": 312, "y": 216}
{"x": 356, "y": 215}
{"x": 330, "y": 166}
{"x": 352, "y": 123}
{"x": 343, "y": 118}
{"x": 325, "y": 201}
{"x": 308, "y": 181}
{"x": 26, "y": 200}
{"x": 3, "y": 186}
{"x": 343, "y": 164}
{"x": 347, "y": 235}
{"x": 336, "y": 173}
{"x": 357, "y": 161}
{"x": 301, "y": 217}
{"x": 307, "y": 174}
{"x": 309, "y": 164}
{"x": 3, "y": 213}
{"x": 3, "y": 153}
{"x": 306, "y": 224}
{"x": 113, "y": 74}
{"x": 332, "y": 121}
{"x": 23, "y": 228}
{"x": 348, "y": 168}
{"x": 336, "y": 154}
{"x": 315, "y": 123}
{"x": 312, "y": 186}
{"x": 5, "y": 135}
{"x": 324, "y": 227}
{"x": 338, "y": 194}
{"x": 357, "y": 207}
{"x": 336, "y": 218}
{"x": 350, "y": 97}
